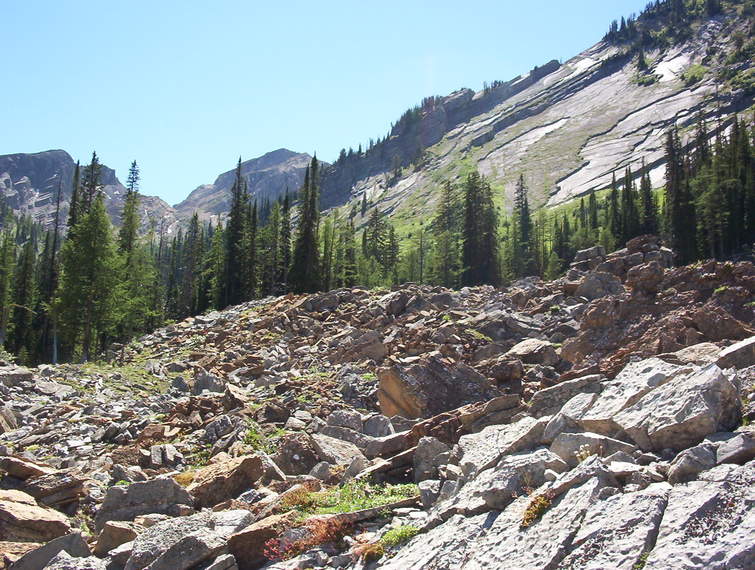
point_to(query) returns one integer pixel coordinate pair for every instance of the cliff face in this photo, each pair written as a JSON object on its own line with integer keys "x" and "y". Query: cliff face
{"x": 29, "y": 184}
{"x": 564, "y": 127}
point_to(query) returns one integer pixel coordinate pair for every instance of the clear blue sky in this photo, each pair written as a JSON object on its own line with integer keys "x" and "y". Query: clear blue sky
{"x": 185, "y": 87}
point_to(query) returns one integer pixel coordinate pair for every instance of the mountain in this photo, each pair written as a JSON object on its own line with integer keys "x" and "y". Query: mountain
{"x": 565, "y": 127}
{"x": 267, "y": 177}
{"x": 29, "y": 184}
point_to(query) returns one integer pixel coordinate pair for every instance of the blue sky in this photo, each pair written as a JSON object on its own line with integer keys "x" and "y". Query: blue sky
{"x": 186, "y": 86}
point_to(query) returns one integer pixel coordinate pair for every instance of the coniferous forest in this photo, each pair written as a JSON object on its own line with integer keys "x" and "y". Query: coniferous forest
{"x": 71, "y": 290}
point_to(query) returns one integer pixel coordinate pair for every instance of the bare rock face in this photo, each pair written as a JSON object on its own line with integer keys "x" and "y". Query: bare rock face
{"x": 430, "y": 386}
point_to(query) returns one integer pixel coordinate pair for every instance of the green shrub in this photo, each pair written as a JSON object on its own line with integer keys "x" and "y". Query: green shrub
{"x": 399, "y": 535}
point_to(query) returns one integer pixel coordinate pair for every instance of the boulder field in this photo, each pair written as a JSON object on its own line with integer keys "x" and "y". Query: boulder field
{"x": 601, "y": 420}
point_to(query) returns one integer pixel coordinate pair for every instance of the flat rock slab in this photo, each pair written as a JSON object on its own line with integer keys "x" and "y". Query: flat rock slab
{"x": 482, "y": 450}
{"x": 707, "y": 525}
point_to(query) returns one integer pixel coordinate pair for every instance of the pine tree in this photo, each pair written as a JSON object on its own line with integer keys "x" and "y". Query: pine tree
{"x": 86, "y": 293}
{"x": 235, "y": 267}
{"x": 480, "y": 254}
{"x": 613, "y": 222}
{"x": 648, "y": 208}
{"x": 24, "y": 293}
{"x": 130, "y": 216}
{"x": 90, "y": 185}
{"x": 7, "y": 268}
{"x": 285, "y": 243}
{"x": 74, "y": 207}
{"x": 523, "y": 261}
{"x": 305, "y": 275}
{"x": 630, "y": 216}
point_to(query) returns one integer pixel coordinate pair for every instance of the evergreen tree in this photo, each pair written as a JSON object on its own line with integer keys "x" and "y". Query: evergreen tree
{"x": 630, "y": 216}
{"x": 305, "y": 276}
{"x": 285, "y": 243}
{"x": 648, "y": 208}
{"x": 7, "y": 268}
{"x": 75, "y": 206}
{"x": 480, "y": 254}
{"x": 523, "y": 259}
{"x": 235, "y": 267}
{"x": 130, "y": 216}
{"x": 86, "y": 294}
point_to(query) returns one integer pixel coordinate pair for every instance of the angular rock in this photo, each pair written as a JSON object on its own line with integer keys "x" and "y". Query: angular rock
{"x": 13, "y": 375}
{"x": 480, "y": 451}
{"x": 599, "y": 284}
{"x": 429, "y": 387}
{"x": 225, "y": 480}
{"x": 248, "y": 545}
{"x": 550, "y": 400}
{"x": 738, "y": 355}
{"x": 72, "y": 544}
{"x": 151, "y": 544}
{"x": 680, "y": 413}
{"x": 686, "y": 466}
{"x": 629, "y": 386}
{"x": 618, "y": 532}
{"x": 431, "y": 453}
{"x": 23, "y": 521}
{"x": 566, "y": 446}
{"x": 161, "y": 495}
{"x": 706, "y": 525}
{"x": 113, "y": 534}
{"x": 739, "y": 449}
{"x": 346, "y": 418}
{"x": 534, "y": 351}
{"x": 335, "y": 451}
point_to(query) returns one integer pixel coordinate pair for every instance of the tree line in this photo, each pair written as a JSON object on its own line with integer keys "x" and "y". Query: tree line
{"x": 69, "y": 291}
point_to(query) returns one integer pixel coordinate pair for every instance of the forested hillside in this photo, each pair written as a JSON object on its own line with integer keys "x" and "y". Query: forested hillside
{"x": 68, "y": 295}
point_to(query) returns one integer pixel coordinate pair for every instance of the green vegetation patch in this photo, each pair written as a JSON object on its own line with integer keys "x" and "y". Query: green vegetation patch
{"x": 352, "y": 496}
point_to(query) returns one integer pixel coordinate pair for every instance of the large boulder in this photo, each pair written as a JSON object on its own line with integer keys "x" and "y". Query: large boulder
{"x": 73, "y": 544}
{"x": 739, "y": 355}
{"x": 599, "y": 284}
{"x": 13, "y": 375}
{"x": 248, "y": 545}
{"x": 296, "y": 454}
{"x": 629, "y": 386}
{"x": 681, "y": 412}
{"x": 480, "y": 451}
{"x": 429, "y": 386}
{"x": 225, "y": 480}
{"x": 645, "y": 279}
{"x": 534, "y": 351}
{"x": 162, "y": 495}
{"x": 22, "y": 520}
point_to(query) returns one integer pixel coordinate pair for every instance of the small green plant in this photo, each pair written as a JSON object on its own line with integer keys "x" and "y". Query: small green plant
{"x": 122, "y": 483}
{"x": 447, "y": 318}
{"x": 537, "y": 507}
{"x": 721, "y": 289}
{"x": 369, "y": 376}
{"x": 399, "y": 535}
{"x": 640, "y": 564}
{"x": 477, "y": 334}
{"x": 694, "y": 73}
{"x": 259, "y": 441}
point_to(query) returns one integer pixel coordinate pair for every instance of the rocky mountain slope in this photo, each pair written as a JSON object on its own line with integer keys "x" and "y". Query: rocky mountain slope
{"x": 29, "y": 185}
{"x": 268, "y": 177}
{"x": 601, "y": 420}
{"x": 565, "y": 127}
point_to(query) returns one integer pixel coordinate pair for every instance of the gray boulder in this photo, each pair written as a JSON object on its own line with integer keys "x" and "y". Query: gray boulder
{"x": 680, "y": 413}
{"x": 162, "y": 495}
